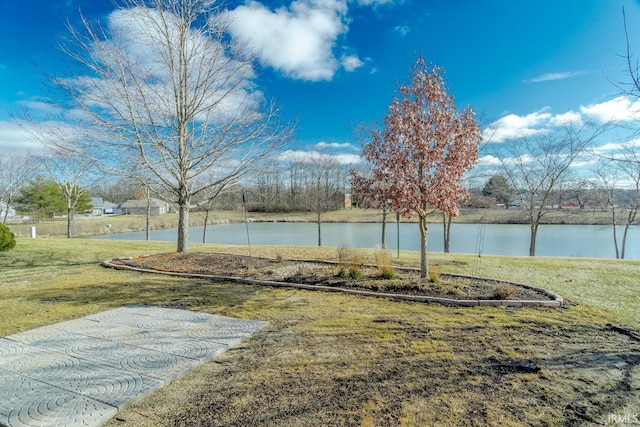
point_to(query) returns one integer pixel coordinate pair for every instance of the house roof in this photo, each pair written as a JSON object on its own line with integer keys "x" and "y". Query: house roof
{"x": 154, "y": 203}
{"x": 99, "y": 202}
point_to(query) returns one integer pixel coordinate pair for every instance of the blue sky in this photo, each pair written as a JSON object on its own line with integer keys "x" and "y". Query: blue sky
{"x": 332, "y": 64}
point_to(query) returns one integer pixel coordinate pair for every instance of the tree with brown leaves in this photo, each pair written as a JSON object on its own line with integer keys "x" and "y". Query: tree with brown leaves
{"x": 424, "y": 150}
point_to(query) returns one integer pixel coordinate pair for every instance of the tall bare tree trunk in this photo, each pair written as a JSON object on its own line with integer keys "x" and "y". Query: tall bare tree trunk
{"x": 615, "y": 233}
{"x": 424, "y": 232}
{"x": 446, "y": 223}
{"x": 148, "y": 218}
{"x": 204, "y": 226}
{"x": 384, "y": 227}
{"x": 69, "y": 216}
{"x": 183, "y": 224}
{"x": 532, "y": 240}
{"x": 319, "y": 230}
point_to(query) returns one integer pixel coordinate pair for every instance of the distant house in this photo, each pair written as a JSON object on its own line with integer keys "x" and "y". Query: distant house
{"x": 139, "y": 207}
{"x": 348, "y": 203}
{"x": 102, "y": 207}
{"x": 6, "y": 210}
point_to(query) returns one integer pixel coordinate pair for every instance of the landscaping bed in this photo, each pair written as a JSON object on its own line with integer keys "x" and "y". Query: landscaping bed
{"x": 348, "y": 275}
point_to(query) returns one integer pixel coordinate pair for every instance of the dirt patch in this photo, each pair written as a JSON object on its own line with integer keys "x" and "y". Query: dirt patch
{"x": 359, "y": 277}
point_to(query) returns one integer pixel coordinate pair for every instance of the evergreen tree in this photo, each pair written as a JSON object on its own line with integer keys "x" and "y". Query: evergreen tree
{"x": 7, "y": 239}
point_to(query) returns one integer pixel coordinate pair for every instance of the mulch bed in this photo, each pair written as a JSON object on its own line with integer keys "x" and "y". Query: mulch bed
{"x": 406, "y": 281}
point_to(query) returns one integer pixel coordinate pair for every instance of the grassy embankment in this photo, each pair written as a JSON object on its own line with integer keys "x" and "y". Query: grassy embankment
{"x": 127, "y": 223}
{"x": 329, "y": 359}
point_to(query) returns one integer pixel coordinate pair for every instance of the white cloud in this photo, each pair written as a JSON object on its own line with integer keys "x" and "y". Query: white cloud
{"x": 568, "y": 118}
{"x": 40, "y": 108}
{"x": 513, "y": 126}
{"x": 619, "y": 109}
{"x": 376, "y": 2}
{"x": 553, "y": 76}
{"x": 402, "y": 30}
{"x": 488, "y": 160}
{"x": 297, "y": 40}
{"x": 14, "y": 138}
{"x": 351, "y": 62}
{"x": 617, "y": 147}
{"x": 324, "y": 145}
{"x": 311, "y": 156}
{"x": 347, "y": 159}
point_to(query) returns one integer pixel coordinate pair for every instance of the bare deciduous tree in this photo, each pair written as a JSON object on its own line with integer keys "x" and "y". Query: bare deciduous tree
{"x": 628, "y": 163}
{"x": 537, "y": 165}
{"x": 424, "y": 150}
{"x": 67, "y": 172}
{"x": 16, "y": 169}
{"x": 206, "y": 202}
{"x": 607, "y": 179}
{"x": 325, "y": 175}
{"x": 163, "y": 91}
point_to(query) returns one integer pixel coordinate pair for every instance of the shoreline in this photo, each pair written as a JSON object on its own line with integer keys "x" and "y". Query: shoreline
{"x": 108, "y": 224}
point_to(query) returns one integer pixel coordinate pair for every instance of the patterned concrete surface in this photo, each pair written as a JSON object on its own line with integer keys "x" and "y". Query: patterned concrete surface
{"x": 81, "y": 372}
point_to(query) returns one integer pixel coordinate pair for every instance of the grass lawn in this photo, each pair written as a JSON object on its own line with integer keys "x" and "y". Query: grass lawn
{"x": 332, "y": 359}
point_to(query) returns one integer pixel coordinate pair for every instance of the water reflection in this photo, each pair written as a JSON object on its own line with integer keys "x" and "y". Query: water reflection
{"x": 590, "y": 241}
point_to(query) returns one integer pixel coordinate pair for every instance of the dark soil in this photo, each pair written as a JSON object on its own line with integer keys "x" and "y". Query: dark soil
{"x": 361, "y": 277}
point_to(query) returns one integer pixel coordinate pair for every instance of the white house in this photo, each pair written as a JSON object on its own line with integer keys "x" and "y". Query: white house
{"x": 139, "y": 207}
{"x": 102, "y": 207}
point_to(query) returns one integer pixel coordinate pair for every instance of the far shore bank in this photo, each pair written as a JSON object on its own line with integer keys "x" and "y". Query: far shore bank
{"x": 87, "y": 226}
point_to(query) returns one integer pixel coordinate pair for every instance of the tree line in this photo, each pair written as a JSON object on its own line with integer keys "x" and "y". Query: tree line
{"x": 186, "y": 123}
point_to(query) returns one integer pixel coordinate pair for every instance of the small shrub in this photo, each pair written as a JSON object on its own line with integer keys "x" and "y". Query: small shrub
{"x": 383, "y": 262}
{"x": 352, "y": 272}
{"x": 387, "y": 273}
{"x": 504, "y": 291}
{"x": 434, "y": 277}
{"x": 7, "y": 239}
{"x": 351, "y": 262}
{"x": 355, "y": 272}
{"x": 279, "y": 257}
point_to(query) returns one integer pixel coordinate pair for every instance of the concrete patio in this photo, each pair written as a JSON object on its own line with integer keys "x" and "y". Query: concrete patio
{"x": 81, "y": 372}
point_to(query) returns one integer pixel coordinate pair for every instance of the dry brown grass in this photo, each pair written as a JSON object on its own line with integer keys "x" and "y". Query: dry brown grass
{"x": 329, "y": 359}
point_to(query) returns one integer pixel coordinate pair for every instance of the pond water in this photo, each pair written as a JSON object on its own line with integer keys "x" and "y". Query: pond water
{"x": 590, "y": 241}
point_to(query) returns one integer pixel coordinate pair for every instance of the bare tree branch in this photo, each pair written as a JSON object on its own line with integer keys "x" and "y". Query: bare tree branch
{"x": 162, "y": 91}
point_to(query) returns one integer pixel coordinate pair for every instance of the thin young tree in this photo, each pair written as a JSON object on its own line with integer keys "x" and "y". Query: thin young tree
{"x": 67, "y": 172}
{"x": 425, "y": 148}
{"x": 627, "y": 161}
{"x": 539, "y": 164}
{"x": 207, "y": 201}
{"x": 372, "y": 194}
{"x": 324, "y": 176}
{"x": 16, "y": 169}
{"x": 604, "y": 186}
{"x": 163, "y": 87}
